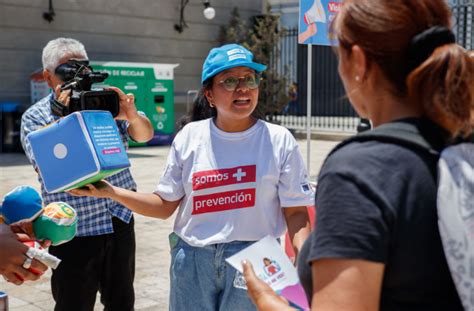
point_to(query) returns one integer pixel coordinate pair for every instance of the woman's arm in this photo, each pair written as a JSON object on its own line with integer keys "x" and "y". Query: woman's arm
{"x": 338, "y": 284}
{"x": 147, "y": 204}
{"x": 299, "y": 227}
{"x": 346, "y": 284}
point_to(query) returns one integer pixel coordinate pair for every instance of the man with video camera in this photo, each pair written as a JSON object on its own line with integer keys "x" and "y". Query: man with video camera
{"x": 102, "y": 255}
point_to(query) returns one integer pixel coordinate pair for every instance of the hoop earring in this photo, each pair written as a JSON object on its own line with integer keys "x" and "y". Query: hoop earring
{"x": 211, "y": 105}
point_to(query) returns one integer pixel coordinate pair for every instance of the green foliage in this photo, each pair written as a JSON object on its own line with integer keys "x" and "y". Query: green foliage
{"x": 235, "y": 31}
{"x": 262, "y": 37}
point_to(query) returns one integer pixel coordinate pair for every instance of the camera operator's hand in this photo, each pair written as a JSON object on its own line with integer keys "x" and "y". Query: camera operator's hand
{"x": 139, "y": 128}
{"x": 62, "y": 96}
{"x": 128, "y": 111}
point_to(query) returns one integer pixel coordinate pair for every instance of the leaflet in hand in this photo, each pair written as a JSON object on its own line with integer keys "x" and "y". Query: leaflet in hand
{"x": 275, "y": 268}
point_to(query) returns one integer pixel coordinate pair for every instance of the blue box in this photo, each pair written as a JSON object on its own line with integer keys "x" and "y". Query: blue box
{"x": 77, "y": 150}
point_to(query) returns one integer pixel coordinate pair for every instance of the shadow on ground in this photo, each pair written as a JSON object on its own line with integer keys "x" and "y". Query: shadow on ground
{"x": 142, "y": 155}
{"x": 13, "y": 159}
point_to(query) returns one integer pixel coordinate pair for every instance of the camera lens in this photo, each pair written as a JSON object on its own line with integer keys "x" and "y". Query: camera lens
{"x": 101, "y": 100}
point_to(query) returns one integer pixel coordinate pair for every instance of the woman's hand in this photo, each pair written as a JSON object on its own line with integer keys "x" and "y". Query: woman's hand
{"x": 13, "y": 257}
{"x": 261, "y": 294}
{"x": 100, "y": 189}
{"x": 24, "y": 228}
{"x": 24, "y": 232}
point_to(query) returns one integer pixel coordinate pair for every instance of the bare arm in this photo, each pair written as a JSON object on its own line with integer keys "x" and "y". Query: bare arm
{"x": 299, "y": 226}
{"x": 308, "y": 33}
{"x": 147, "y": 204}
{"x": 346, "y": 284}
{"x": 140, "y": 128}
{"x": 338, "y": 284}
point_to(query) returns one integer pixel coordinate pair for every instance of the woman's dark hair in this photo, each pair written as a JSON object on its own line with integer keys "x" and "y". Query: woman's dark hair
{"x": 442, "y": 84}
{"x": 202, "y": 110}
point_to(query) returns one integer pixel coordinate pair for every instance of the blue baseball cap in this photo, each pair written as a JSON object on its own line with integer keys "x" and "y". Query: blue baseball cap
{"x": 226, "y": 57}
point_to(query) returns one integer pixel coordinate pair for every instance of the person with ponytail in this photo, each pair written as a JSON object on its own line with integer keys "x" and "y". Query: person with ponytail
{"x": 233, "y": 178}
{"x": 376, "y": 243}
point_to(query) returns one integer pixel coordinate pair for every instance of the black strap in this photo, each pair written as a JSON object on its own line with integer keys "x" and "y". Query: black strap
{"x": 400, "y": 133}
{"x": 59, "y": 109}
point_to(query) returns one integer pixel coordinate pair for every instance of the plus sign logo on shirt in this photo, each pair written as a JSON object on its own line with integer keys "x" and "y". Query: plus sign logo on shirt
{"x": 224, "y": 176}
{"x": 224, "y": 200}
{"x": 239, "y": 174}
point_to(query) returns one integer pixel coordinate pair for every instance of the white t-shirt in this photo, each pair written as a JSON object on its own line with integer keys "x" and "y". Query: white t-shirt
{"x": 233, "y": 185}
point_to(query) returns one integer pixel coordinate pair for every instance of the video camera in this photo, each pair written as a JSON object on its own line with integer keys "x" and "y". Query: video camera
{"x": 79, "y": 77}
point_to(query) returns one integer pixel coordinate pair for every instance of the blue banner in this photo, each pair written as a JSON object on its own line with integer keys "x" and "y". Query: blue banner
{"x": 315, "y": 18}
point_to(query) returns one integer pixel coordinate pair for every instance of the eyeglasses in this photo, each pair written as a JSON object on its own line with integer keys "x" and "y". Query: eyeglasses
{"x": 231, "y": 83}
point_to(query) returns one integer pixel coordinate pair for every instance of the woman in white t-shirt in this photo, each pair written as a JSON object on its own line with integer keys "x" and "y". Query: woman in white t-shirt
{"x": 235, "y": 179}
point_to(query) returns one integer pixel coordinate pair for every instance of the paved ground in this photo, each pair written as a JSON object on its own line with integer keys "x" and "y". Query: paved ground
{"x": 151, "y": 282}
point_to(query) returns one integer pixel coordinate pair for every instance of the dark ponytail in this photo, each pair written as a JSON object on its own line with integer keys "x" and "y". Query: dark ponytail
{"x": 444, "y": 87}
{"x": 412, "y": 43}
{"x": 201, "y": 109}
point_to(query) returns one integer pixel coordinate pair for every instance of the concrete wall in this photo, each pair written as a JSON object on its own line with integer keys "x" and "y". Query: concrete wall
{"x": 111, "y": 30}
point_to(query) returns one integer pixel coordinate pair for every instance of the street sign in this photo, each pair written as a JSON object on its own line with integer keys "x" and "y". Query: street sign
{"x": 315, "y": 17}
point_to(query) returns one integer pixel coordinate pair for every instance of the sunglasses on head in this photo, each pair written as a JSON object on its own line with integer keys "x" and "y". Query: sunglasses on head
{"x": 251, "y": 81}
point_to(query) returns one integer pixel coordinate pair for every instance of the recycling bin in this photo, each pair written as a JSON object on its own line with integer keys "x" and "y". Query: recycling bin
{"x": 153, "y": 88}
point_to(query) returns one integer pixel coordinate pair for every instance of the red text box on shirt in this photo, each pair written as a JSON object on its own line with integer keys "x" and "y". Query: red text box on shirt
{"x": 223, "y": 201}
{"x": 224, "y": 177}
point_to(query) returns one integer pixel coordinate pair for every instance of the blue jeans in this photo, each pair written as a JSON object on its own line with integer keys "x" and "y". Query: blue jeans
{"x": 202, "y": 280}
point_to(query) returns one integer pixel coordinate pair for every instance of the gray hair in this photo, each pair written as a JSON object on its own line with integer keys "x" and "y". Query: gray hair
{"x": 58, "y": 48}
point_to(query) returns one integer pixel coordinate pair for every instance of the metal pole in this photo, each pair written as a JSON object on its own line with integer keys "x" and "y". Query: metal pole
{"x": 189, "y": 102}
{"x": 308, "y": 110}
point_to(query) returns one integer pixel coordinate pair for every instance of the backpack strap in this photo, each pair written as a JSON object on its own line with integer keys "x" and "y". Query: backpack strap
{"x": 402, "y": 133}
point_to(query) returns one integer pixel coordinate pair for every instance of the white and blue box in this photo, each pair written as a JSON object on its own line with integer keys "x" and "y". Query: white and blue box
{"x": 77, "y": 150}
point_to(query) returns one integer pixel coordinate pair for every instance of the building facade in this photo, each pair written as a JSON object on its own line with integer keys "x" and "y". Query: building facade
{"x": 113, "y": 30}
{"x": 463, "y": 11}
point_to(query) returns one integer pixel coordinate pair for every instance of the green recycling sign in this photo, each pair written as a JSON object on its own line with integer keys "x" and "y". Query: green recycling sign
{"x": 153, "y": 88}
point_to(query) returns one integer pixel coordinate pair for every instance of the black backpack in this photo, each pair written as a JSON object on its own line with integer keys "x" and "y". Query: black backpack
{"x": 455, "y": 197}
